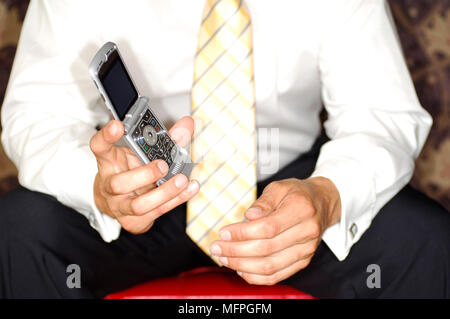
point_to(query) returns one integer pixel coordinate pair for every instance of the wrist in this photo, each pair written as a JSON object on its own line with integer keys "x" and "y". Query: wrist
{"x": 327, "y": 195}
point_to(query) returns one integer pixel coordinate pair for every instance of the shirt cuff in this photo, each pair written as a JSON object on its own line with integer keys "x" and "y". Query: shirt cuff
{"x": 108, "y": 227}
{"x": 357, "y": 192}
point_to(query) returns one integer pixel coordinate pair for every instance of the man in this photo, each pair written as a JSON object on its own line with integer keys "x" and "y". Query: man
{"x": 319, "y": 221}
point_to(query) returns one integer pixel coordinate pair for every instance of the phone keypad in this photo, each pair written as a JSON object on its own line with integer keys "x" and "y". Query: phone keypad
{"x": 153, "y": 140}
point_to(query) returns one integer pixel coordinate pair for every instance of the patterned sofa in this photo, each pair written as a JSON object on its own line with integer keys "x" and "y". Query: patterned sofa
{"x": 424, "y": 30}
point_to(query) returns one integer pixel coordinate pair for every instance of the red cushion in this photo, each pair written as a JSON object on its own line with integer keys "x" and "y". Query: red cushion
{"x": 208, "y": 283}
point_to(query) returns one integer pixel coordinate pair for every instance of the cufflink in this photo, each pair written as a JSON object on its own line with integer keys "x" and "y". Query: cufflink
{"x": 353, "y": 230}
{"x": 92, "y": 221}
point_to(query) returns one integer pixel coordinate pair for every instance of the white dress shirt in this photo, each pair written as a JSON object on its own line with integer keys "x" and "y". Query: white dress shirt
{"x": 342, "y": 53}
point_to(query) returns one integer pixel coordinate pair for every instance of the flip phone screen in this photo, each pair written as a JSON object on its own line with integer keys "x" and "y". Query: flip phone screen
{"x": 119, "y": 87}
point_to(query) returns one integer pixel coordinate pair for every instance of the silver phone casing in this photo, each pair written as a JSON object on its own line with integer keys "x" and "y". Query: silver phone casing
{"x": 182, "y": 162}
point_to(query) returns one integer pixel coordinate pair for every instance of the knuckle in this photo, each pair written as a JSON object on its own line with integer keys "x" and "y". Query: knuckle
{"x": 92, "y": 144}
{"x": 309, "y": 253}
{"x": 264, "y": 248}
{"x": 115, "y": 184}
{"x": 304, "y": 264}
{"x": 300, "y": 255}
{"x": 268, "y": 268}
{"x": 292, "y": 180}
{"x": 272, "y": 280}
{"x": 315, "y": 230}
{"x": 238, "y": 233}
{"x": 309, "y": 209}
{"x": 269, "y": 229}
{"x": 273, "y": 185}
{"x": 135, "y": 207}
{"x": 300, "y": 198}
{"x": 230, "y": 250}
{"x": 250, "y": 280}
{"x": 158, "y": 211}
{"x": 297, "y": 195}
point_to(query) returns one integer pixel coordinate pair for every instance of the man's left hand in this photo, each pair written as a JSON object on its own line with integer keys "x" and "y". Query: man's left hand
{"x": 284, "y": 228}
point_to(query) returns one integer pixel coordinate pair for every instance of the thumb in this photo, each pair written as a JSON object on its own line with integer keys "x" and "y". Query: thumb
{"x": 181, "y": 132}
{"x": 103, "y": 141}
{"x": 263, "y": 206}
{"x": 255, "y": 212}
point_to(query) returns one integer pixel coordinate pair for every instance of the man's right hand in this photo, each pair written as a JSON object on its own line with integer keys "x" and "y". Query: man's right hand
{"x": 126, "y": 190}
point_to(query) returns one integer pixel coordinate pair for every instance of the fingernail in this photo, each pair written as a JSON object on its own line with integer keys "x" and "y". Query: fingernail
{"x": 255, "y": 211}
{"x": 193, "y": 186}
{"x": 180, "y": 181}
{"x": 163, "y": 167}
{"x": 239, "y": 273}
{"x": 224, "y": 260}
{"x": 215, "y": 250}
{"x": 225, "y": 235}
{"x": 113, "y": 129}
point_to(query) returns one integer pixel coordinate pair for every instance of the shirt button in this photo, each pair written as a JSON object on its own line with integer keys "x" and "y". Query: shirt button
{"x": 353, "y": 230}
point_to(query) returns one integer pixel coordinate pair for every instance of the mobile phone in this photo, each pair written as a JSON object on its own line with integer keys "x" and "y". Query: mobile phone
{"x": 145, "y": 134}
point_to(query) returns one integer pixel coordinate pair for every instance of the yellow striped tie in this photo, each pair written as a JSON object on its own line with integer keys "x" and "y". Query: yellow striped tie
{"x": 223, "y": 107}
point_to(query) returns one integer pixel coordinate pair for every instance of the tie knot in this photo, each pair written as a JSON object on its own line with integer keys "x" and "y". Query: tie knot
{"x": 230, "y": 3}
{"x": 219, "y": 11}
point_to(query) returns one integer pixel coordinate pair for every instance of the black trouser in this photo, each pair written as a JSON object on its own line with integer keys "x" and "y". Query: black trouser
{"x": 409, "y": 240}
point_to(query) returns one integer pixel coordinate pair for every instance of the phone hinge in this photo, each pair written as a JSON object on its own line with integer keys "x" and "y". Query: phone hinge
{"x": 135, "y": 113}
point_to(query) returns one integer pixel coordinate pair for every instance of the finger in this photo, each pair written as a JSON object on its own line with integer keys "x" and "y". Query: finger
{"x": 141, "y": 224}
{"x": 144, "y": 189}
{"x": 270, "y": 264}
{"x": 263, "y": 206}
{"x": 103, "y": 141}
{"x": 190, "y": 191}
{"x": 145, "y": 203}
{"x": 290, "y": 210}
{"x": 131, "y": 180}
{"x": 256, "y": 279}
{"x": 135, "y": 224}
{"x": 298, "y": 234}
{"x": 181, "y": 132}
{"x": 263, "y": 228}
